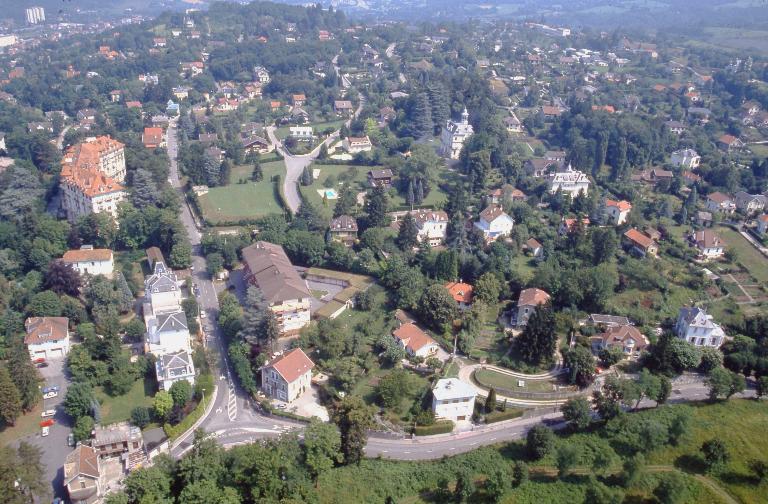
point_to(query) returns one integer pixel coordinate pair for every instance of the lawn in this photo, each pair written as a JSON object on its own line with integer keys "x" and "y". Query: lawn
{"x": 118, "y": 409}
{"x": 248, "y": 201}
{"x": 489, "y": 378}
{"x": 283, "y": 131}
{"x": 746, "y": 254}
{"x": 26, "y": 425}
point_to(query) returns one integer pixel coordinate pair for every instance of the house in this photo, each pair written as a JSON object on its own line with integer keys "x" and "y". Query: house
{"x": 653, "y": 176}
{"x": 494, "y": 223}
{"x": 703, "y": 218}
{"x": 709, "y": 244}
{"x": 625, "y": 337}
{"x": 567, "y": 226}
{"x": 353, "y": 145}
{"x": 685, "y": 158}
{"x": 161, "y": 289}
{"x": 386, "y": 114}
{"x": 173, "y": 367}
{"x": 570, "y": 181}
{"x": 298, "y": 100}
{"x": 601, "y": 320}
{"x": 285, "y": 292}
{"x": 167, "y": 332}
{"x": 343, "y": 107}
{"x": 114, "y": 96}
{"x": 452, "y": 399}
{"x": 555, "y": 156}
{"x": 432, "y": 226}
{"x": 762, "y": 224}
{"x": 261, "y": 74}
{"x": 695, "y": 326}
{"x": 133, "y": 104}
{"x": 540, "y": 167}
{"x": 690, "y": 178}
{"x": 119, "y": 439}
{"x": 82, "y": 475}
{"x": 414, "y": 341}
{"x": 641, "y": 243}
{"x": 461, "y": 293}
{"x": 729, "y": 143}
{"x": 513, "y": 124}
{"x": 535, "y": 248}
{"x": 616, "y": 212}
{"x": 152, "y": 138}
{"x": 287, "y": 376}
{"x": 90, "y": 261}
{"x": 215, "y": 153}
{"x": 551, "y": 112}
{"x": 719, "y": 202}
{"x": 380, "y": 178}
{"x": 301, "y": 133}
{"x": 172, "y": 108}
{"x": 47, "y": 337}
{"x": 255, "y": 144}
{"x": 454, "y": 135}
{"x": 676, "y": 127}
{"x": 343, "y": 229}
{"x": 750, "y": 204}
{"x": 528, "y": 301}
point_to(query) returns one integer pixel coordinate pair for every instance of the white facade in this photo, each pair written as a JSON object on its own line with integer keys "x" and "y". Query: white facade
{"x": 161, "y": 290}
{"x": 353, "y": 145}
{"x": 301, "y": 132}
{"x": 90, "y": 261}
{"x": 167, "y": 333}
{"x": 173, "y": 367}
{"x": 35, "y": 15}
{"x": 453, "y": 399}
{"x": 47, "y": 337}
{"x": 432, "y": 226}
{"x": 616, "y": 212}
{"x": 686, "y": 158}
{"x": 454, "y": 135}
{"x": 494, "y": 225}
{"x": 78, "y": 204}
{"x": 571, "y": 182}
{"x": 695, "y": 326}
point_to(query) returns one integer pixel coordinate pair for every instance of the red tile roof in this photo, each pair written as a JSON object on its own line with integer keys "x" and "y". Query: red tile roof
{"x": 73, "y": 256}
{"x": 532, "y": 297}
{"x": 639, "y": 238}
{"x": 412, "y": 337}
{"x": 45, "y": 329}
{"x": 292, "y": 365}
{"x": 461, "y": 292}
{"x": 622, "y": 205}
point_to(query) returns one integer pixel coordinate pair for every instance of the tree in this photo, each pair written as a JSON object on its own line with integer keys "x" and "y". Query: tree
{"x": 181, "y": 393}
{"x": 393, "y": 387}
{"x": 539, "y": 441}
{"x": 581, "y": 365}
{"x": 599, "y": 493}
{"x": 79, "y": 400}
{"x": 140, "y": 416}
{"x": 672, "y": 489}
{"x": 24, "y": 375}
{"x": 490, "y": 401}
{"x": 519, "y": 473}
{"x": 214, "y": 263}
{"x": 408, "y": 234}
{"x": 346, "y": 203}
{"x": 711, "y": 358}
{"x": 608, "y": 400}
{"x": 10, "y": 399}
{"x": 759, "y": 469}
{"x": 724, "y": 383}
{"x": 487, "y": 288}
{"x": 304, "y": 247}
{"x": 62, "y": 278}
{"x": 150, "y": 484}
{"x": 577, "y": 413}
{"x": 715, "y": 454}
{"x": 665, "y": 390}
{"x": 761, "y": 387}
{"x": 45, "y": 304}
{"x": 322, "y": 442}
{"x": 181, "y": 255}
{"x": 632, "y": 468}
{"x": 610, "y": 356}
{"x": 163, "y": 405}
{"x": 354, "y": 418}
{"x": 465, "y": 486}
{"x": 83, "y": 428}
{"x": 376, "y": 207}
{"x": 306, "y": 177}
{"x": 496, "y": 485}
{"x": 567, "y": 458}
{"x": 22, "y": 475}
{"x": 437, "y": 308}
{"x": 537, "y": 342}
{"x": 422, "y": 117}
{"x": 258, "y": 172}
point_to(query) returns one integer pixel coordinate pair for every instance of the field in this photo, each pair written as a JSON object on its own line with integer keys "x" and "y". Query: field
{"x": 247, "y": 201}
{"x": 117, "y": 409}
{"x": 733, "y": 38}
{"x": 318, "y": 127}
{"x": 746, "y": 254}
{"x": 489, "y": 378}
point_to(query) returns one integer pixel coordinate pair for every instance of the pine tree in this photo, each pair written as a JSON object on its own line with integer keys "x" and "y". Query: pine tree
{"x": 124, "y": 291}
{"x": 253, "y": 316}
{"x": 145, "y": 193}
{"x": 419, "y": 192}
{"x": 490, "y": 401}
{"x": 440, "y": 107}
{"x": 346, "y": 202}
{"x": 10, "y": 399}
{"x": 411, "y": 195}
{"x": 376, "y": 207}
{"x": 306, "y": 177}
{"x": 408, "y": 235}
{"x": 323, "y": 154}
{"x": 258, "y": 172}
{"x": 211, "y": 170}
{"x": 422, "y": 117}
{"x": 225, "y": 172}
{"x": 24, "y": 375}
{"x": 538, "y": 340}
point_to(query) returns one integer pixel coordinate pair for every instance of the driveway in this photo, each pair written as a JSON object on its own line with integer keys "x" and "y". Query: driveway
{"x": 308, "y": 405}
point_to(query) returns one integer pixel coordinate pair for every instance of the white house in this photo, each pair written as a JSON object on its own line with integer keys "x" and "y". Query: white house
{"x": 288, "y": 376}
{"x": 173, "y": 367}
{"x": 750, "y": 203}
{"x": 452, "y": 399}
{"x": 570, "y": 181}
{"x": 529, "y": 300}
{"x": 709, "y": 244}
{"x": 720, "y": 202}
{"x": 167, "y": 333}
{"x": 414, "y": 341}
{"x": 353, "y": 145}
{"x": 90, "y": 261}
{"x": 454, "y": 135}
{"x": 616, "y": 212}
{"x": 686, "y": 158}
{"x": 162, "y": 290}
{"x": 432, "y": 225}
{"x": 695, "y": 326}
{"x": 47, "y": 337}
{"x": 494, "y": 223}
{"x": 303, "y": 133}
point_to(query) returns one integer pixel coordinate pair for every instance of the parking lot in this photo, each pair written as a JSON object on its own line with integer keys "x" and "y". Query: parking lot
{"x": 54, "y": 446}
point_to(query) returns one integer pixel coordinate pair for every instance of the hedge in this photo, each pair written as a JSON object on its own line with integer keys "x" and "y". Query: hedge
{"x": 441, "y": 427}
{"x": 499, "y": 416}
{"x": 265, "y": 404}
{"x": 174, "y": 431}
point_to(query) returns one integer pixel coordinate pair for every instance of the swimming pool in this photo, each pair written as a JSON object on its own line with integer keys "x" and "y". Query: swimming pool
{"x": 328, "y": 193}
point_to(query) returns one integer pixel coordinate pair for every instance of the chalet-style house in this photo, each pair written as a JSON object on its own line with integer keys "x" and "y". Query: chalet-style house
{"x": 494, "y": 223}
{"x": 343, "y": 229}
{"x": 380, "y": 178}
{"x": 414, "y": 341}
{"x": 641, "y": 244}
{"x": 528, "y": 301}
{"x": 287, "y": 376}
{"x": 697, "y": 327}
{"x": 47, "y": 337}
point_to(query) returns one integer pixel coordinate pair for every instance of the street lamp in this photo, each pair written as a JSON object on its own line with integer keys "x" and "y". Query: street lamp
{"x": 203, "y": 391}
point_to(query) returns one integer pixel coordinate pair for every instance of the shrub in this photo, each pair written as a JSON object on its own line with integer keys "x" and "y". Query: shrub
{"x": 499, "y": 416}
{"x": 441, "y": 427}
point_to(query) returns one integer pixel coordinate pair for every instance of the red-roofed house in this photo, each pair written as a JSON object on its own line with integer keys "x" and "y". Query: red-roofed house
{"x": 90, "y": 261}
{"x": 288, "y": 376}
{"x": 617, "y": 211}
{"x": 641, "y": 244}
{"x": 626, "y": 337}
{"x": 416, "y": 342}
{"x": 153, "y": 138}
{"x": 729, "y": 143}
{"x": 461, "y": 293}
{"x": 529, "y": 300}
{"x": 709, "y": 244}
{"x": 47, "y": 337}
{"x": 719, "y": 202}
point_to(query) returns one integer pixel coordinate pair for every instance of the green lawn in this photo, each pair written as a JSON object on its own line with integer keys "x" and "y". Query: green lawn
{"x": 318, "y": 127}
{"x": 746, "y": 254}
{"x": 26, "y": 425}
{"x": 118, "y": 409}
{"x": 490, "y": 378}
{"x": 247, "y": 201}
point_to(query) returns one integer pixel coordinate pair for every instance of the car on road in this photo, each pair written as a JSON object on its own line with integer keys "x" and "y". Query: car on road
{"x": 47, "y": 423}
{"x": 41, "y": 364}
{"x": 54, "y": 388}
{"x": 48, "y": 413}
{"x": 50, "y": 395}
{"x": 70, "y": 439}
{"x": 39, "y": 360}
{"x": 46, "y": 431}
{"x": 202, "y": 314}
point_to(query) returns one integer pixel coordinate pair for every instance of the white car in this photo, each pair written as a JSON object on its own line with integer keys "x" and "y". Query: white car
{"x": 202, "y": 314}
{"x": 46, "y": 431}
{"x": 48, "y": 413}
{"x": 50, "y": 395}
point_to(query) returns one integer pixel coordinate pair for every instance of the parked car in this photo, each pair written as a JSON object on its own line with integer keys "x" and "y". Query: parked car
{"x": 47, "y": 423}
{"x": 48, "y": 413}
{"x": 39, "y": 360}
{"x": 202, "y": 314}
{"x": 46, "y": 431}
{"x": 41, "y": 364}
{"x": 50, "y": 395}
{"x": 53, "y": 388}
{"x": 70, "y": 439}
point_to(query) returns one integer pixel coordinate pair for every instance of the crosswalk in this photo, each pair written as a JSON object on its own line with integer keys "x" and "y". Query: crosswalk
{"x": 231, "y": 402}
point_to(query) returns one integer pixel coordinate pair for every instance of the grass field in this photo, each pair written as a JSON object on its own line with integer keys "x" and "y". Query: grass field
{"x": 250, "y": 200}
{"x": 117, "y": 409}
{"x": 26, "y": 425}
{"x": 489, "y": 378}
{"x": 318, "y": 127}
{"x": 746, "y": 254}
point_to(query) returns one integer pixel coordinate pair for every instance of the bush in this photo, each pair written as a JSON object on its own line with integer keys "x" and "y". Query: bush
{"x": 140, "y": 416}
{"x": 441, "y": 427}
{"x": 499, "y": 416}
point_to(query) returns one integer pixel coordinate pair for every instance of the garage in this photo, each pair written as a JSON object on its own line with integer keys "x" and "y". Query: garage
{"x": 40, "y": 354}
{"x": 56, "y": 353}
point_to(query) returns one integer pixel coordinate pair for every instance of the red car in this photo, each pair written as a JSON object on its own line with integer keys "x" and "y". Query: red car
{"x": 47, "y": 423}
{"x": 39, "y": 360}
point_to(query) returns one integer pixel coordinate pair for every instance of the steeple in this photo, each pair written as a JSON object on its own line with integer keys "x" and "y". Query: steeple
{"x": 465, "y": 116}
